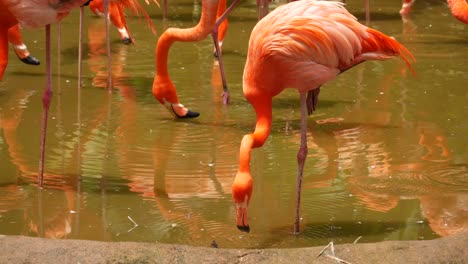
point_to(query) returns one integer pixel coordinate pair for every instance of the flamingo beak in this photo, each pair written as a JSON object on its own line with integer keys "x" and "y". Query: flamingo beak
{"x": 241, "y": 219}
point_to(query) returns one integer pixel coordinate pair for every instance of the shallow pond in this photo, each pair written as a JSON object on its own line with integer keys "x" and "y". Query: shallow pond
{"x": 388, "y": 157}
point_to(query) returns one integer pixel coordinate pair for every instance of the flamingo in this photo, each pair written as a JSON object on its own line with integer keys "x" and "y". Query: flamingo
{"x": 163, "y": 88}
{"x": 21, "y": 50}
{"x": 458, "y": 8}
{"x": 300, "y": 45}
{"x": 117, "y": 16}
{"x": 31, "y": 14}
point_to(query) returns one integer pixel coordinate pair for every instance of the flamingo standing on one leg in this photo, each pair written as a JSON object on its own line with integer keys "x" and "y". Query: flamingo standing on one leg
{"x": 300, "y": 45}
{"x": 21, "y": 51}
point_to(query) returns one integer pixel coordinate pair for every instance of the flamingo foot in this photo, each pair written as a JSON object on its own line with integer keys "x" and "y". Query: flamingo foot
{"x": 179, "y": 111}
{"x": 226, "y": 96}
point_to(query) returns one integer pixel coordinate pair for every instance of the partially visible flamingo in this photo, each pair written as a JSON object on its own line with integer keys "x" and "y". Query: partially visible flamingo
{"x": 300, "y": 45}
{"x": 21, "y": 50}
{"x": 117, "y": 15}
{"x": 458, "y": 8}
{"x": 163, "y": 88}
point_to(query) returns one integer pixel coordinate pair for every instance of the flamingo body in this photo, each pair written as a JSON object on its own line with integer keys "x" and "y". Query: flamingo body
{"x": 35, "y": 14}
{"x": 459, "y": 9}
{"x": 300, "y": 45}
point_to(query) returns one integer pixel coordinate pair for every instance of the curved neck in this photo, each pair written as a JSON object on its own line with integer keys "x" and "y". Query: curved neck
{"x": 262, "y": 104}
{"x": 459, "y": 9}
{"x": 200, "y": 31}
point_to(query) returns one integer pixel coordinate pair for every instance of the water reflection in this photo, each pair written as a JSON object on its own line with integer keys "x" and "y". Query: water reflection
{"x": 388, "y": 157}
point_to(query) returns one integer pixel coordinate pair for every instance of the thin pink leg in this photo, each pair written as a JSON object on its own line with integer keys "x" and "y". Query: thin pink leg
{"x": 80, "y": 46}
{"x": 367, "y": 12}
{"x": 301, "y": 157}
{"x": 214, "y": 34}
{"x": 45, "y": 106}
{"x": 165, "y": 10}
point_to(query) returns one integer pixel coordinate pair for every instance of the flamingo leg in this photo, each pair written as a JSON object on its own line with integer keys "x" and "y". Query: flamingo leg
{"x": 367, "y": 12}
{"x": 46, "y": 98}
{"x": 165, "y": 10}
{"x": 80, "y": 46}
{"x": 218, "y": 52}
{"x": 301, "y": 157}
{"x": 226, "y": 95}
{"x": 266, "y": 8}
{"x": 262, "y": 8}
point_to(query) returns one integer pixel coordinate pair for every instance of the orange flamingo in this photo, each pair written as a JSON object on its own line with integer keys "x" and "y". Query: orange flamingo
{"x": 31, "y": 14}
{"x": 21, "y": 51}
{"x": 116, "y": 15}
{"x": 301, "y": 45}
{"x": 458, "y": 8}
{"x": 163, "y": 88}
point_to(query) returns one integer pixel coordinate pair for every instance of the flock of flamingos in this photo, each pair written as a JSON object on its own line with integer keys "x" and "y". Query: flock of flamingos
{"x": 300, "y": 45}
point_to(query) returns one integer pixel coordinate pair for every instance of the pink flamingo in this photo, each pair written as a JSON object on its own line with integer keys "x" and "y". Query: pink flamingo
{"x": 117, "y": 15}
{"x": 458, "y": 8}
{"x": 301, "y": 45}
{"x": 163, "y": 88}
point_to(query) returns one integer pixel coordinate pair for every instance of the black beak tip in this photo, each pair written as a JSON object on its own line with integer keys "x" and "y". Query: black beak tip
{"x": 244, "y": 228}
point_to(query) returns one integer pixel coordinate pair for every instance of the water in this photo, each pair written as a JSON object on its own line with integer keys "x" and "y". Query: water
{"x": 387, "y": 160}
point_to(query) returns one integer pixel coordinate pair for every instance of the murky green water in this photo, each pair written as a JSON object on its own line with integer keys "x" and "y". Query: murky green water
{"x": 388, "y": 157}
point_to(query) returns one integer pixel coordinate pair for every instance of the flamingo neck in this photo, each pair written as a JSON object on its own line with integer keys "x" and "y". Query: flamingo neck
{"x": 199, "y": 32}
{"x": 459, "y": 9}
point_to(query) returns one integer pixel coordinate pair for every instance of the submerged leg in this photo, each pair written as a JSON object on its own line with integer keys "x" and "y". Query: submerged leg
{"x": 301, "y": 157}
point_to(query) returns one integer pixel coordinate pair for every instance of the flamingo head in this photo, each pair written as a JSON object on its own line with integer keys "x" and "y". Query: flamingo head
{"x": 241, "y": 193}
